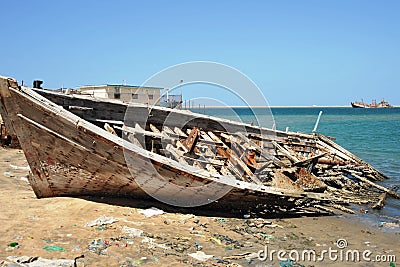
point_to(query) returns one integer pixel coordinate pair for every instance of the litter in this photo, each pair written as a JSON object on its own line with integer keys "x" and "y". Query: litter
{"x": 246, "y": 255}
{"x": 151, "y": 212}
{"x": 198, "y": 246}
{"x": 24, "y": 168}
{"x": 26, "y": 261}
{"x": 269, "y": 236}
{"x": 53, "y": 248}
{"x": 200, "y": 255}
{"x": 98, "y": 246}
{"x": 102, "y": 221}
{"x": 152, "y": 244}
{"x": 225, "y": 240}
{"x": 8, "y": 174}
{"x": 290, "y": 263}
{"x": 24, "y": 179}
{"x": 132, "y": 231}
{"x": 13, "y": 244}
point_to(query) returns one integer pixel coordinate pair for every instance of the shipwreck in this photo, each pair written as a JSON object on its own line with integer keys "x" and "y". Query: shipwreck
{"x": 79, "y": 145}
{"x": 374, "y": 104}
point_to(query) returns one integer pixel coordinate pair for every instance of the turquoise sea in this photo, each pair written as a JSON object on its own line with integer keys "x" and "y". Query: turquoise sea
{"x": 371, "y": 134}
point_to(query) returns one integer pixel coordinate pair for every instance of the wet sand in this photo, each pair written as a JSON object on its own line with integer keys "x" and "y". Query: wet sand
{"x": 32, "y": 227}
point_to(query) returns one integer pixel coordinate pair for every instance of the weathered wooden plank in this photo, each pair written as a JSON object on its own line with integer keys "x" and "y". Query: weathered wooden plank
{"x": 154, "y": 129}
{"x": 381, "y": 202}
{"x": 285, "y": 152}
{"x": 176, "y": 154}
{"x": 179, "y": 132}
{"x": 168, "y": 130}
{"x": 384, "y": 189}
{"x": 261, "y": 151}
{"x": 191, "y": 140}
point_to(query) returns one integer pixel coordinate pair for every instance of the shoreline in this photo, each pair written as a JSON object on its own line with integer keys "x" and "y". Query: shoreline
{"x": 56, "y": 228}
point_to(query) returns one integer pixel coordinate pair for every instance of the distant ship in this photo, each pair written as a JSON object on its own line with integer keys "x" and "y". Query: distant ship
{"x": 382, "y": 104}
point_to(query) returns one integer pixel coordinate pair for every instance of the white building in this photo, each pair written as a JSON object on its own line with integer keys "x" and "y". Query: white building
{"x": 125, "y": 93}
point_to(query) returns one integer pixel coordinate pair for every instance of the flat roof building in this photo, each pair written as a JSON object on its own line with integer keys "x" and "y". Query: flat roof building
{"x": 125, "y": 93}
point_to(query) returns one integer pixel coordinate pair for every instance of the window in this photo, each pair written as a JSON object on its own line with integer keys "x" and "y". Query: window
{"x": 135, "y": 96}
{"x": 151, "y": 97}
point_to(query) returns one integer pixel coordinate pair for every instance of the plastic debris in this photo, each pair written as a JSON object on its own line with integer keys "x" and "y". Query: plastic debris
{"x": 53, "y": 248}
{"x": 132, "y": 231}
{"x": 225, "y": 240}
{"x": 103, "y": 220}
{"x": 259, "y": 223}
{"x": 246, "y": 216}
{"x": 152, "y": 244}
{"x": 290, "y": 263}
{"x": 8, "y": 174}
{"x": 24, "y": 179}
{"x": 13, "y": 244}
{"x": 151, "y": 212}
{"x": 200, "y": 255}
{"x": 220, "y": 261}
{"x": 26, "y": 261}
{"x": 24, "y": 168}
{"x": 198, "y": 246}
{"x": 98, "y": 246}
{"x": 269, "y": 236}
{"x": 246, "y": 255}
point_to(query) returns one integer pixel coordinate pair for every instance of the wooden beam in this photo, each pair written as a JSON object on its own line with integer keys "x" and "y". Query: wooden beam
{"x": 384, "y": 189}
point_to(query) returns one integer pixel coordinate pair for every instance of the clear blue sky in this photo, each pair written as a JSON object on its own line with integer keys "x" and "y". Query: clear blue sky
{"x": 298, "y": 52}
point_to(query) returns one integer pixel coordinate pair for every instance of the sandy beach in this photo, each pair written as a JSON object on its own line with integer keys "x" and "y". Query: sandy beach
{"x": 115, "y": 232}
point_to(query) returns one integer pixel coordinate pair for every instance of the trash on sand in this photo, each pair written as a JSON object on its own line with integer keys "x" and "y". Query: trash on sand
{"x": 98, "y": 246}
{"x": 260, "y": 223}
{"x": 225, "y": 240}
{"x": 246, "y": 216}
{"x": 269, "y": 236}
{"x": 8, "y": 174}
{"x": 151, "y": 212}
{"x": 198, "y": 246}
{"x": 53, "y": 248}
{"x": 13, "y": 244}
{"x": 220, "y": 261}
{"x": 26, "y": 261}
{"x": 290, "y": 263}
{"x": 102, "y": 221}
{"x": 152, "y": 244}
{"x": 25, "y": 168}
{"x": 132, "y": 231}
{"x": 24, "y": 179}
{"x": 246, "y": 255}
{"x": 200, "y": 255}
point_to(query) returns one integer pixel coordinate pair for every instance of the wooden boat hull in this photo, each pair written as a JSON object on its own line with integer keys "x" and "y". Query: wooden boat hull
{"x": 69, "y": 156}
